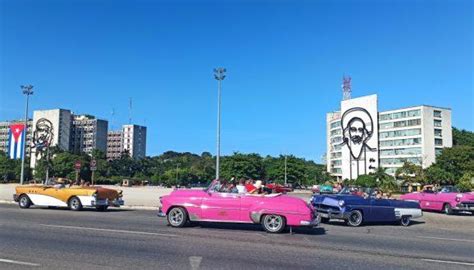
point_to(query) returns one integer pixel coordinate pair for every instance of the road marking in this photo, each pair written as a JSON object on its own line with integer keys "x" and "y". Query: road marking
{"x": 18, "y": 262}
{"x": 108, "y": 230}
{"x": 195, "y": 261}
{"x": 448, "y": 239}
{"x": 449, "y": 262}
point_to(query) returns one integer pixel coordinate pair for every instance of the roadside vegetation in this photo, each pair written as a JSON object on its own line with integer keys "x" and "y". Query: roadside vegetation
{"x": 454, "y": 166}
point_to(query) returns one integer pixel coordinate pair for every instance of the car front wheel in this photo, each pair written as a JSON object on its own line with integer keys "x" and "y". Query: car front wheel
{"x": 405, "y": 221}
{"x": 447, "y": 209}
{"x": 75, "y": 204}
{"x": 24, "y": 201}
{"x": 273, "y": 223}
{"x": 355, "y": 218}
{"x": 177, "y": 217}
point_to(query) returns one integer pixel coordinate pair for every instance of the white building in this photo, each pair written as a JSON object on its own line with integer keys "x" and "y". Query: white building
{"x": 57, "y": 122}
{"x": 131, "y": 139}
{"x": 134, "y": 140}
{"x": 414, "y": 134}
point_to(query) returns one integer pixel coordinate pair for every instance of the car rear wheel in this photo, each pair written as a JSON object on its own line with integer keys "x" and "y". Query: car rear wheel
{"x": 273, "y": 223}
{"x": 405, "y": 221}
{"x": 447, "y": 209}
{"x": 75, "y": 204}
{"x": 177, "y": 217}
{"x": 355, "y": 218}
{"x": 102, "y": 208}
{"x": 24, "y": 201}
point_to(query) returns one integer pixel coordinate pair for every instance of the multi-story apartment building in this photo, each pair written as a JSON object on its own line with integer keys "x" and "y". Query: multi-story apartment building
{"x": 134, "y": 140}
{"x": 114, "y": 145}
{"x": 87, "y": 134}
{"x": 5, "y": 133}
{"x": 360, "y": 138}
{"x": 131, "y": 140}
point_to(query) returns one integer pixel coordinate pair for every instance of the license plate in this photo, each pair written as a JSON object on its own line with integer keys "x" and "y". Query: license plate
{"x": 324, "y": 215}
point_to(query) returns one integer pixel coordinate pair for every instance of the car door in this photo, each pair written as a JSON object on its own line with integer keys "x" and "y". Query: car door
{"x": 219, "y": 206}
{"x": 381, "y": 210}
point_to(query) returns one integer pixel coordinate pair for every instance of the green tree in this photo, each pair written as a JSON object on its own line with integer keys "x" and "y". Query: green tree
{"x": 410, "y": 173}
{"x": 463, "y": 137}
{"x": 466, "y": 183}
{"x": 436, "y": 175}
{"x": 384, "y": 180}
{"x": 457, "y": 160}
{"x": 366, "y": 180}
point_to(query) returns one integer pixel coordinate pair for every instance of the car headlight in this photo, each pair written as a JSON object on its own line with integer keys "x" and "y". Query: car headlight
{"x": 341, "y": 203}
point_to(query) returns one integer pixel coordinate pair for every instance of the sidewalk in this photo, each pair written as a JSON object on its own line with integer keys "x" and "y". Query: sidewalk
{"x": 145, "y": 197}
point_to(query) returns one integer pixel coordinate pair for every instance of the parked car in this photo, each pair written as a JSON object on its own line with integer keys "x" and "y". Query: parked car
{"x": 274, "y": 211}
{"x": 277, "y": 188}
{"x": 356, "y": 210}
{"x": 63, "y": 195}
{"x": 448, "y": 200}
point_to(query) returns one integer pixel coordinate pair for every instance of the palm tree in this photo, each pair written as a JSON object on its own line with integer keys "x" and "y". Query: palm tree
{"x": 384, "y": 180}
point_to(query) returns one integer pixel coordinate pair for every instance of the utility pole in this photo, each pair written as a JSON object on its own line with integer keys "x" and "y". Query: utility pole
{"x": 177, "y": 173}
{"x": 27, "y": 90}
{"x": 219, "y": 75}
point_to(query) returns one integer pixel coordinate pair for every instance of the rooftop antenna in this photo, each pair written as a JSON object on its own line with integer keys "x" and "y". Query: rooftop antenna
{"x": 130, "y": 111}
{"x": 346, "y": 87}
{"x": 112, "y": 120}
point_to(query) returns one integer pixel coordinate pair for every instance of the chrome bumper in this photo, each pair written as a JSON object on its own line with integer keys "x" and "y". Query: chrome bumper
{"x": 464, "y": 207}
{"x": 161, "y": 213}
{"x": 331, "y": 214}
{"x": 107, "y": 202}
{"x": 312, "y": 223}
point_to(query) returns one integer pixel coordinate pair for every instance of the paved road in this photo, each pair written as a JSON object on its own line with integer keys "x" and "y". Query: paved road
{"x": 137, "y": 239}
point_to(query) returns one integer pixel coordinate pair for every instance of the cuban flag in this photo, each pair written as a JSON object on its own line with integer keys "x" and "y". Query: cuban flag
{"x": 15, "y": 149}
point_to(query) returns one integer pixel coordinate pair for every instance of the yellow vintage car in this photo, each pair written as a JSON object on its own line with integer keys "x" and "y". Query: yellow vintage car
{"x": 61, "y": 194}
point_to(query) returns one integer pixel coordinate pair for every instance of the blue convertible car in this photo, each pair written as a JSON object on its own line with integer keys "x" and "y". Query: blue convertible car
{"x": 356, "y": 210}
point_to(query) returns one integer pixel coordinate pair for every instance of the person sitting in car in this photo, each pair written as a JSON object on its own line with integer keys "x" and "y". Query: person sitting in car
{"x": 251, "y": 189}
{"x": 241, "y": 186}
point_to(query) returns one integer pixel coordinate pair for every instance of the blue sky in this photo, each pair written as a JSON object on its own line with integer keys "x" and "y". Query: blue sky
{"x": 285, "y": 60}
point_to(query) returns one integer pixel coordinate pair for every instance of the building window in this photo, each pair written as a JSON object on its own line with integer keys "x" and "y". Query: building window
{"x": 334, "y": 132}
{"x": 400, "y": 142}
{"x": 336, "y": 170}
{"x": 401, "y": 151}
{"x": 397, "y": 115}
{"x": 437, "y": 123}
{"x": 437, "y": 113}
{"x": 438, "y": 132}
{"x": 438, "y": 141}
{"x": 400, "y": 133}
{"x": 335, "y": 124}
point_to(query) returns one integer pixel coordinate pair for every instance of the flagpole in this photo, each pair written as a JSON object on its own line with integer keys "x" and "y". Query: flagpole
{"x": 27, "y": 90}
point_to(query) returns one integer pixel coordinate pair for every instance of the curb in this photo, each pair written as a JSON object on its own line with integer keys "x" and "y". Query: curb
{"x": 137, "y": 207}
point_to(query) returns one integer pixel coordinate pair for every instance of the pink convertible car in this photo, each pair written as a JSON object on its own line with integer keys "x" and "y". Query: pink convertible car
{"x": 273, "y": 211}
{"x": 448, "y": 200}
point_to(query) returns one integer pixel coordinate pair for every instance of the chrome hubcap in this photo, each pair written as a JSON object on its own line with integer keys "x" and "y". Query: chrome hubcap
{"x": 74, "y": 203}
{"x": 273, "y": 222}
{"x": 23, "y": 201}
{"x": 355, "y": 218}
{"x": 176, "y": 216}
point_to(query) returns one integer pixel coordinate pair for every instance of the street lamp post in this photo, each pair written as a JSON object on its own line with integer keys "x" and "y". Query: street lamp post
{"x": 27, "y": 90}
{"x": 219, "y": 75}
